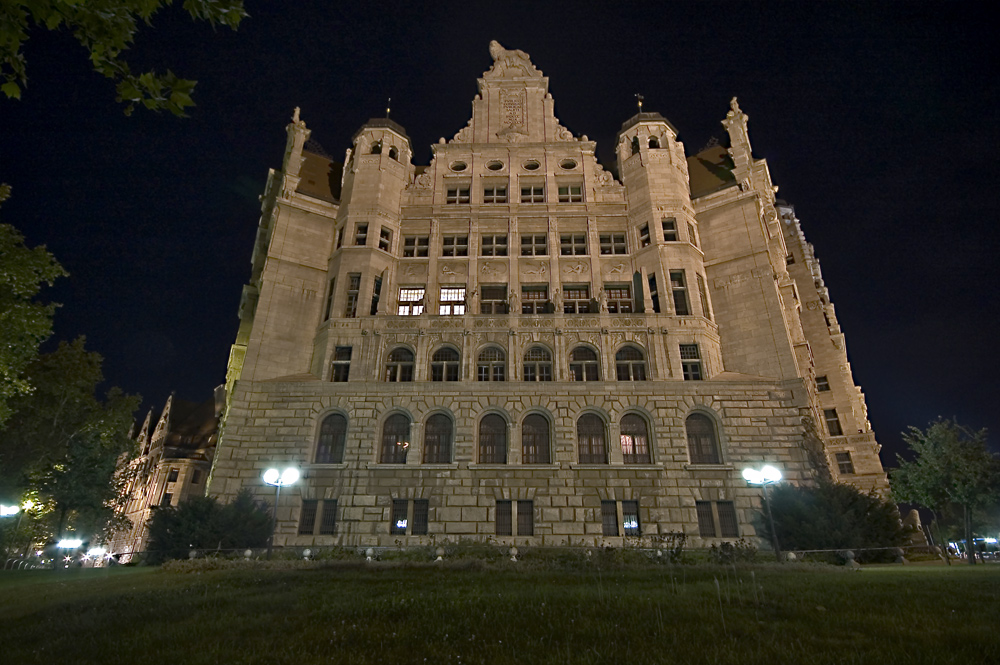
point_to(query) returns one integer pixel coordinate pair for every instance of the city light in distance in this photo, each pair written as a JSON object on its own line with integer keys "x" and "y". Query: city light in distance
{"x": 280, "y": 478}
{"x": 765, "y": 476}
{"x": 69, "y": 543}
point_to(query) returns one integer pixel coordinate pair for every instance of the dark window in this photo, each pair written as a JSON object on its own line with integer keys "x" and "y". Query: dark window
{"x": 332, "y": 434}
{"x": 492, "y": 440}
{"x": 399, "y": 521}
{"x": 493, "y": 300}
{"x": 535, "y": 440}
{"x": 692, "y": 234}
{"x": 395, "y": 439}
{"x": 172, "y": 475}
{"x": 196, "y": 476}
{"x": 491, "y": 365}
{"x": 341, "y": 364}
{"x": 619, "y": 298}
{"x": 576, "y": 299}
{"x": 609, "y": 518}
{"x": 437, "y": 440}
{"x": 415, "y": 246}
{"x": 399, "y": 365}
{"x": 533, "y": 194}
{"x": 167, "y": 498}
{"x": 728, "y": 527}
{"x": 613, "y": 243}
{"x": 703, "y": 445}
{"x": 590, "y": 440}
{"x": 504, "y": 525}
{"x": 537, "y": 364}
{"x": 525, "y": 518}
{"x": 822, "y": 384}
{"x": 384, "y": 238}
{"x": 534, "y": 245}
{"x": 635, "y": 151}
{"x": 353, "y": 287}
{"x": 573, "y": 244}
{"x": 457, "y": 195}
{"x": 328, "y": 519}
{"x": 329, "y": 302}
{"x": 654, "y": 295}
{"x": 832, "y": 422}
{"x": 630, "y": 365}
{"x": 583, "y": 365}
{"x": 644, "y": 235}
{"x": 571, "y": 194}
{"x": 445, "y": 364}
{"x": 455, "y": 246}
{"x": 393, "y": 153}
{"x": 493, "y": 245}
{"x": 420, "y": 509}
{"x": 377, "y": 148}
{"x": 669, "y": 229}
{"x": 495, "y": 194}
{"x": 703, "y": 292}
{"x": 654, "y": 143}
{"x": 678, "y": 287}
{"x": 340, "y": 237}
{"x": 361, "y": 234}
{"x": 635, "y": 440}
{"x": 376, "y": 294}
{"x": 307, "y": 517}
{"x": 706, "y": 523}
{"x": 534, "y": 299}
{"x": 691, "y": 362}
{"x": 630, "y": 518}
{"x": 845, "y": 466}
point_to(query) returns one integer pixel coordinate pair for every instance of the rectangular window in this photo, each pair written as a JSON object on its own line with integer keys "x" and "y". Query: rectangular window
{"x": 613, "y": 243}
{"x": 822, "y": 384}
{"x": 525, "y": 518}
{"x": 384, "y": 239}
{"x": 415, "y": 246}
{"x": 703, "y": 294}
{"x": 452, "y": 301}
{"x": 576, "y": 299}
{"x": 172, "y": 475}
{"x": 845, "y": 465}
{"x": 411, "y": 301}
{"x": 533, "y": 194}
{"x": 495, "y": 194}
{"x": 644, "y": 235}
{"x": 504, "y": 525}
{"x": 706, "y": 523}
{"x": 654, "y": 295}
{"x": 534, "y": 245}
{"x": 196, "y": 476}
{"x": 630, "y": 518}
{"x": 361, "y": 235}
{"x": 609, "y": 518}
{"x": 728, "y": 527}
{"x": 376, "y": 294}
{"x": 832, "y": 422}
{"x": 619, "y": 297}
{"x": 397, "y": 526}
{"x": 353, "y": 287}
{"x": 329, "y": 302}
{"x": 340, "y": 237}
{"x": 678, "y": 287}
{"x": 790, "y": 260}
{"x": 307, "y": 517}
{"x": 692, "y": 234}
{"x": 493, "y": 245}
{"x": 167, "y": 498}
{"x": 455, "y": 246}
{"x": 341, "y": 364}
{"x": 328, "y": 520}
{"x": 493, "y": 300}
{"x": 691, "y": 362}
{"x": 420, "y": 509}
{"x": 534, "y": 299}
{"x": 573, "y": 244}
{"x": 669, "y": 229}
{"x": 571, "y": 194}
{"x": 457, "y": 195}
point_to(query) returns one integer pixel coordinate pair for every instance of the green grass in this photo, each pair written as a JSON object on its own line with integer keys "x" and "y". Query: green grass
{"x": 590, "y": 613}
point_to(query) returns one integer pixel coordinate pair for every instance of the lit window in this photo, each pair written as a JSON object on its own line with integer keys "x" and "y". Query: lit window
{"x": 619, "y": 298}
{"x": 630, "y": 518}
{"x": 669, "y": 229}
{"x": 341, "y": 364}
{"x": 361, "y": 235}
{"x": 678, "y": 287}
{"x": 630, "y": 365}
{"x": 491, "y": 365}
{"x": 573, "y": 244}
{"x": 691, "y": 362}
{"x": 644, "y": 235}
{"x": 822, "y": 384}
{"x": 399, "y": 366}
{"x": 332, "y": 435}
{"x": 703, "y": 444}
{"x": 353, "y": 287}
{"x": 845, "y": 465}
{"x": 535, "y": 440}
{"x": 534, "y": 245}
{"x": 492, "y": 440}
{"x": 398, "y": 522}
{"x": 457, "y": 195}
{"x": 452, "y": 301}
{"x": 384, "y": 239}
{"x": 535, "y": 299}
{"x": 634, "y": 440}
{"x": 537, "y": 364}
{"x": 533, "y": 194}
{"x": 495, "y": 194}
{"x": 576, "y": 299}
{"x": 415, "y": 246}
{"x": 583, "y": 365}
{"x": 613, "y": 243}
{"x": 411, "y": 301}
{"x": 455, "y": 246}
{"x": 493, "y": 245}
{"x": 445, "y": 364}
{"x": 493, "y": 300}
{"x": 395, "y": 439}
{"x": 832, "y": 422}
{"x": 571, "y": 194}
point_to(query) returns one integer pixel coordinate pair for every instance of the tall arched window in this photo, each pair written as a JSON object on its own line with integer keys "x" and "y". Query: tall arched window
{"x": 437, "y": 439}
{"x": 583, "y": 365}
{"x": 330, "y": 447}
{"x": 377, "y": 148}
{"x": 492, "y": 440}
{"x": 537, "y": 364}
{"x": 393, "y": 153}
{"x": 635, "y": 145}
{"x": 492, "y": 365}
{"x": 535, "y": 440}
{"x": 395, "y": 439}
{"x": 399, "y": 365}
{"x": 703, "y": 443}
{"x": 590, "y": 439}
{"x": 635, "y": 440}
{"x": 630, "y": 364}
{"x": 654, "y": 142}
{"x": 445, "y": 364}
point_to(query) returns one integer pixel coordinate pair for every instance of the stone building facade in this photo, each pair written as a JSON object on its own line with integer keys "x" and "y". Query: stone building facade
{"x": 513, "y": 343}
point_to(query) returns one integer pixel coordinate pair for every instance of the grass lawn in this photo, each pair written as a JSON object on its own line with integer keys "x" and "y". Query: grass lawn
{"x": 583, "y": 614}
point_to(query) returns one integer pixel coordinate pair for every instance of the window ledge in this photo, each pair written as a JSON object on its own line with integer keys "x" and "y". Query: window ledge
{"x": 328, "y": 465}
{"x": 449, "y": 465}
{"x": 381, "y": 465}
{"x": 575, "y": 465}
{"x": 493, "y": 466}
{"x": 709, "y": 467}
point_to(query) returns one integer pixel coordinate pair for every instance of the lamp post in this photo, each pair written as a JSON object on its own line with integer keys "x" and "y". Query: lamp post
{"x": 767, "y": 475}
{"x": 279, "y": 479}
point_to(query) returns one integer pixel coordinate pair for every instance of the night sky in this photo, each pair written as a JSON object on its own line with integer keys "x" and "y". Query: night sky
{"x": 879, "y": 123}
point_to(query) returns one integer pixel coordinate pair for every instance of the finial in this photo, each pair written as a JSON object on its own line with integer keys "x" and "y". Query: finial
{"x": 388, "y": 104}
{"x": 295, "y": 115}
{"x": 734, "y": 106}
{"x": 639, "y": 99}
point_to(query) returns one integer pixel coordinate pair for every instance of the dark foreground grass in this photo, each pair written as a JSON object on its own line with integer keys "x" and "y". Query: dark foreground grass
{"x": 416, "y": 614}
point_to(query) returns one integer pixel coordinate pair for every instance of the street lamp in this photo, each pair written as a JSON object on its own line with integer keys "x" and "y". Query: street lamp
{"x": 279, "y": 479}
{"x": 767, "y": 475}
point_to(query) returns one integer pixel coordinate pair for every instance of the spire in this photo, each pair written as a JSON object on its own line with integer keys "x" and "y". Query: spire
{"x": 297, "y": 136}
{"x": 739, "y": 143}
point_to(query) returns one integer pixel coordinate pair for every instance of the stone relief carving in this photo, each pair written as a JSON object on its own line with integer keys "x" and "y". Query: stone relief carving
{"x": 539, "y": 269}
{"x": 453, "y": 270}
{"x": 414, "y": 270}
{"x": 423, "y": 181}
{"x": 493, "y": 268}
{"x": 578, "y": 268}
{"x": 617, "y": 269}
{"x": 510, "y": 62}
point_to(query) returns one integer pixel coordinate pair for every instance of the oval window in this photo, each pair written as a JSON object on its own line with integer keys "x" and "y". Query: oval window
{"x": 495, "y": 165}
{"x": 567, "y": 164}
{"x": 458, "y": 166}
{"x": 531, "y": 165}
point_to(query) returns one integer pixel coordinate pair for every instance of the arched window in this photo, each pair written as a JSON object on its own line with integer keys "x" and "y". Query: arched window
{"x": 703, "y": 444}
{"x": 377, "y": 148}
{"x": 590, "y": 439}
{"x": 492, "y": 365}
{"x": 492, "y": 440}
{"x": 535, "y": 440}
{"x": 393, "y": 153}
{"x": 437, "y": 440}
{"x": 630, "y": 365}
{"x": 654, "y": 142}
{"x": 635, "y": 145}
{"x": 583, "y": 365}
{"x": 445, "y": 364}
{"x": 330, "y": 447}
{"x": 635, "y": 440}
{"x": 399, "y": 366}
{"x": 395, "y": 439}
{"x": 537, "y": 364}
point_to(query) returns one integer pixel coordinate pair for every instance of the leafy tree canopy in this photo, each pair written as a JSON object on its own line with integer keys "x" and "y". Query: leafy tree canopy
{"x": 106, "y": 29}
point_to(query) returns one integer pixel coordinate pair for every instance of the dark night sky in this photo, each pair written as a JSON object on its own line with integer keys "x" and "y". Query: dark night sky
{"x": 879, "y": 122}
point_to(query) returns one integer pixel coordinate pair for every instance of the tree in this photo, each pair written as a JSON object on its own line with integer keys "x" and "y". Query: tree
{"x": 106, "y": 28}
{"x": 832, "y": 516}
{"x": 952, "y": 466}
{"x": 24, "y": 322}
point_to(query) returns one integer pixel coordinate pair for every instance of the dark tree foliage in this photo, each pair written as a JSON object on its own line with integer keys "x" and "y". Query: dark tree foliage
{"x": 202, "y": 523}
{"x": 832, "y": 516}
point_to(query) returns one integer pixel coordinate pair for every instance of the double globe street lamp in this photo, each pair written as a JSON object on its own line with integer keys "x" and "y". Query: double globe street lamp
{"x": 766, "y": 475}
{"x": 279, "y": 479}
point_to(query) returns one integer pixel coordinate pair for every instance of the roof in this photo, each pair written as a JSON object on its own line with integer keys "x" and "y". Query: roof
{"x": 645, "y": 116}
{"x": 192, "y": 425}
{"x": 710, "y": 170}
{"x": 384, "y": 123}
{"x": 320, "y": 177}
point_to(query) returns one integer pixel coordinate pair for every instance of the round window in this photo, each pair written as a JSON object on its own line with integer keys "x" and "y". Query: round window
{"x": 495, "y": 165}
{"x": 531, "y": 165}
{"x": 458, "y": 166}
{"x": 567, "y": 164}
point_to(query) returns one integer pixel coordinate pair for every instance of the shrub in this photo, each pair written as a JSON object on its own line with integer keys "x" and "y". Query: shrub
{"x": 728, "y": 553}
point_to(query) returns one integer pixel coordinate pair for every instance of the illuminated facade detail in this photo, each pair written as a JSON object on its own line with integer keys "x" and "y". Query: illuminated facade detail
{"x": 539, "y": 349}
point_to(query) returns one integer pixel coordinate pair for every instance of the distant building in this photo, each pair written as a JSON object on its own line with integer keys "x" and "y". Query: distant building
{"x": 513, "y": 343}
{"x": 173, "y": 464}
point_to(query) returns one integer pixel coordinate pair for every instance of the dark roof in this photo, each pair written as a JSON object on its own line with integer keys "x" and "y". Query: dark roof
{"x": 648, "y": 116}
{"x": 192, "y": 425}
{"x": 320, "y": 177}
{"x": 710, "y": 170}
{"x": 385, "y": 123}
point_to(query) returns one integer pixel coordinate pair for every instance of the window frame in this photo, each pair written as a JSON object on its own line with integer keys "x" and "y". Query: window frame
{"x": 452, "y": 300}
{"x": 702, "y": 449}
{"x": 493, "y": 244}
{"x": 417, "y": 246}
{"x": 532, "y": 192}
{"x": 539, "y": 367}
{"x": 614, "y": 243}
{"x": 591, "y": 439}
{"x": 640, "y": 446}
{"x": 573, "y": 244}
{"x": 407, "y": 305}
{"x": 455, "y": 245}
{"x": 493, "y": 439}
{"x": 584, "y": 369}
{"x": 691, "y": 367}
{"x": 495, "y": 368}
{"x": 331, "y": 442}
{"x": 458, "y": 194}
{"x": 446, "y": 369}
{"x": 630, "y": 368}
{"x": 530, "y": 244}
{"x": 440, "y": 448}
{"x": 340, "y": 370}
{"x": 397, "y": 368}
{"x": 394, "y": 444}
{"x": 536, "y": 441}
